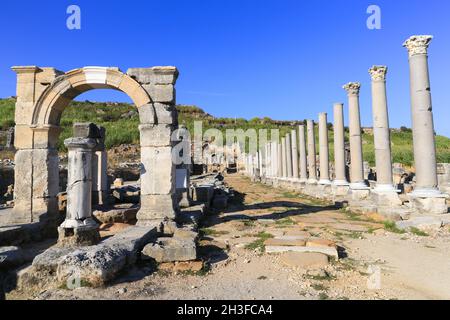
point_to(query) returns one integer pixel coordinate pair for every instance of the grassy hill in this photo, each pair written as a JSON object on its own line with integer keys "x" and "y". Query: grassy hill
{"x": 121, "y": 122}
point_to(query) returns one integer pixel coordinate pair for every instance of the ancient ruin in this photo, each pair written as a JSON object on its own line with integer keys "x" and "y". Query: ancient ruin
{"x": 360, "y": 194}
{"x": 100, "y": 226}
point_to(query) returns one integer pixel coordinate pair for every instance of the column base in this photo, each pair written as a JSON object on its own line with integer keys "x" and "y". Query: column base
{"x": 312, "y": 181}
{"x": 87, "y": 235}
{"x": 388, "y": 188}
{"x": 325, "y": 181}
{"x": 359, "y": 186}
{"x": 341, "y": 183}
{"x": 385, "y": 198}
{"x": 428, "y": 193}
{"x": 156, "y": 207}
{"x": 359, "y": 194}
{"x": 340, "y": 192}
{"x": 428, "y": 201}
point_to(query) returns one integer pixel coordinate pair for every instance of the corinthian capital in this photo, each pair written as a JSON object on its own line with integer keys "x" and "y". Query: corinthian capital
{"x": 378, "y": 73}
{"x": 352, "y": 88}
{"x": 417, "y": 45}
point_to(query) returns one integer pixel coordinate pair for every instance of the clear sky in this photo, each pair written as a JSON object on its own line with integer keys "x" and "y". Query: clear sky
{"x": 285, "y": 59}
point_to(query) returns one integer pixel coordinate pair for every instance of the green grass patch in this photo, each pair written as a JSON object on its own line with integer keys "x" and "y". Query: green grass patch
{"x": 285, "y": 222}
{"x": 418, "y": 232}
{"x": 259, "y": 243}
{"x": 323, "y": 296}
{"x": 392, "y": 227}
{"x": 212, "y": 232}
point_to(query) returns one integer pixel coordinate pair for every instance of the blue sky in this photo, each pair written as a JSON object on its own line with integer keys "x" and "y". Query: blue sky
{"x": 285, "y": 59}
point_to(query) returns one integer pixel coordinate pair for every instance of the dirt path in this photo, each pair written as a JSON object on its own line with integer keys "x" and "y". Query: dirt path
{"x": 412, "y": 266}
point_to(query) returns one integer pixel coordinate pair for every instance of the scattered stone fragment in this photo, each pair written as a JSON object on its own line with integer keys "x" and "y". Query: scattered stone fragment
{"x": 171, "y": 250}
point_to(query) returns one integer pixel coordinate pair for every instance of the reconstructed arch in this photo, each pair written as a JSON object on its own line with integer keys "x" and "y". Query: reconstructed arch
{"x": 42, "y": 96}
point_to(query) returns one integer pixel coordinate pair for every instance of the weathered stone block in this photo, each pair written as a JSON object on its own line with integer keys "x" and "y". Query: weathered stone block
{"x": 155, "y": 75}
{"x": 166, "y": 113}
{"x": 164, "y": 93}
{"x": 157, "y": 171}
{"x": 171, "y": 250}
{"x": 156, "y": 207}
{"x": 434, "y": 205}
{"x": 155, "y": 135}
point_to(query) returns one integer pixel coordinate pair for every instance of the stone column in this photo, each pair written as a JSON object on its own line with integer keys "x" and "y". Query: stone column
{"x": 324, "y": 152}
{"x": 423, "y": 129}
{"x": 339, "y": 146}
{"x": 356, "y": 156}
{"x": 302, "y": 152}
{"x": 381, "y": 132}
{"x": 283, "y": 152}
{"x": 100, "y": 188}
{"x": 311, "y": 153}
{"x": 289, "y": 155}
{"x": 79, "y": 228}
{"x": 295, "y": 169}
{"x": 279, "y": 160}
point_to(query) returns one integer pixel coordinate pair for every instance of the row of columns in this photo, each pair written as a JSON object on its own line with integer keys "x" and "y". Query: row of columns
{"x": 296, "y": 160}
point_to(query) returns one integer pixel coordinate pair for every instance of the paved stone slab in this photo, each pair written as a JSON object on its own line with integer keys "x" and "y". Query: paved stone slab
{"x": 306, "y": 260}
{"x": 349, "y": 227}
{"x": 329, "y": 251}
{"x": 284, "y": 242}
{"x": 320, "y": 243}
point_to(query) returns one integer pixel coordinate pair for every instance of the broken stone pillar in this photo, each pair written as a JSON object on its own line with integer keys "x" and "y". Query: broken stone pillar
{"x": 80, "y": 228}
{"x": 311, "y": 153}
{"x": 324, "y": 151}
{"x": 289, "y": 155}
{"x": 100, "y": 187}
{"x": 339, "y": 146}
{"x": 356, "y": 156}
{"x": 302, "y": 152}
{"x": 426, "y": 196}
{"x": 294, "y": 154}
{"x": 283, "y": 155}
{"x": 10, "y": 139}
{"x": 183, "y": 173}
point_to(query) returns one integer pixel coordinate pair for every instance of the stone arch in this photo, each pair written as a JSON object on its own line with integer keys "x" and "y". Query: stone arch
{"x": 42, "y": 96}
{"x": 66, "y": 87}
